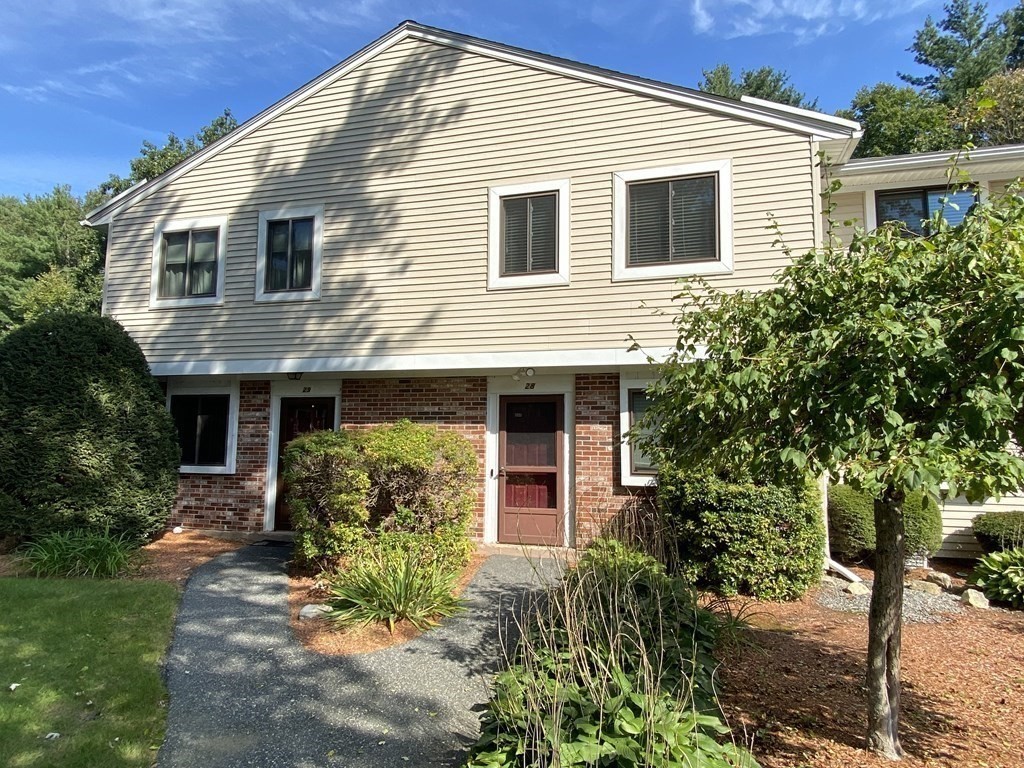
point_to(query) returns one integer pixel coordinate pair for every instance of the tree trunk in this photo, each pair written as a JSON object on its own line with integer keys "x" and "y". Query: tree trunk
{"x": 885, "y": 622}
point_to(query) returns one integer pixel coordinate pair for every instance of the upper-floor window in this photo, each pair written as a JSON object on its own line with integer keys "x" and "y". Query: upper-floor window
{"x": 528, "y": 235}
{"x": 914, "y": 207}
{"x": 673, "y": 221}
{"x": 206, "y": 420}
{"x": 289, "y": 254}
{"x": 188, "y": 262}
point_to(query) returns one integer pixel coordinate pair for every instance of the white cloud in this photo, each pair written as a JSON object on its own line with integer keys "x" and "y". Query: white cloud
{"x": 805, "y": 20}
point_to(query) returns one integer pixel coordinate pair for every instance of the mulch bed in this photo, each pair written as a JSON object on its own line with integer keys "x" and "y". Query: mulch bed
{"x": 320, "y": 636}
{"x": 796, "y": 689}
{"x": 173, "y": 556}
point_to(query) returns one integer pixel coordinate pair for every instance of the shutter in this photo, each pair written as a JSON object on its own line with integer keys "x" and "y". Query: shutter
{"x": 694, "y": 228}
{"x": 515, "y": 239}
{"x": 648, "y": 227}
{"x": 543, "y": 233}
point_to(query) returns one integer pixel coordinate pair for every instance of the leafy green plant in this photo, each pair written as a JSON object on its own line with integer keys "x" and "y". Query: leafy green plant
{"x": 996, "y": 531}
{"x": 742, "y": 538}
{"x": 449, "y": 546}
{"x": 87, "y": 442}
{"x": 851, "y": 523}
{"x": 327, "y": 488}
{"x": 614, "y": 666}
{"x": 392, "y": 586}
{"x": 1000, "y": 575}
{"x": 80, "y": 553}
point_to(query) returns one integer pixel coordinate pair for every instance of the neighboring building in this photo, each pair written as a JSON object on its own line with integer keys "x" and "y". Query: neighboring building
{"x": 458, "y": 232}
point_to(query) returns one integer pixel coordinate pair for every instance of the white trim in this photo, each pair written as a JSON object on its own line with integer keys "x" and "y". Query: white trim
{"x": 870, "y": 211}
{"x": 818, "y": 125}
{"x": 720, "y": 266}
{"x": 279, "y": 390}
{"x": 629, "y": 479}
{"x": 231, "y": 389}
{"x": 495, "y": 280}
{"x": 497, "y": 386}
{"x": 931, "y": 160}
{"x": 316, "y": 212}
{"x": 472, "y": 361}
{"x": 184, "y": 225}
{"x": 106, "y": 267}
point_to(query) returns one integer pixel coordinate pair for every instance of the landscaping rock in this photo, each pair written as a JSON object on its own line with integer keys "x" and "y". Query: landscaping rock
{"x": 925, "y": 586}
{"x": 974, "y": 598}
{"x": 944, "y": 580}
{"x": 857, "y": 588}
{"x": 313, "y": 611}
{"x": 832, "y": 581}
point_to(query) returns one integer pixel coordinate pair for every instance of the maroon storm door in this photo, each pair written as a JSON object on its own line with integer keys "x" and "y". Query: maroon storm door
{"x": 299, "y": 415}
{"x": 531, "y": 492}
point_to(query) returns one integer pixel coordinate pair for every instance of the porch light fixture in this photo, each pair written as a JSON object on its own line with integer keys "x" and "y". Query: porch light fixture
{"x": 527, "y": 372}
{"x": 295, "y": 376}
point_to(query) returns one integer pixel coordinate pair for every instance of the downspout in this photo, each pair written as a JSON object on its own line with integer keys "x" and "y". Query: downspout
{"x": 830, "y": 564}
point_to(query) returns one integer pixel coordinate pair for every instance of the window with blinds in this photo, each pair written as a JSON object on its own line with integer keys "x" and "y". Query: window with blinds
{"x": 914, "y": 207}
{"x": 189, "y": 264}
{"x": 671, "y": 221}
{"x": 529, "y": 234}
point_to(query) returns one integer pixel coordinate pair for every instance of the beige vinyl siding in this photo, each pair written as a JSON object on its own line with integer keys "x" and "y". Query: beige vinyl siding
{"x": 847, "y": 214}
{"x": 957, "y": 514}
{"x": 999, "y": 187}
{"x": 401, "y": 152}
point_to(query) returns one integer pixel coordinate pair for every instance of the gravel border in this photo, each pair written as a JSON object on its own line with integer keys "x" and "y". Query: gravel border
{"x": 244, "y": 692}
{"x": 918, "y": 607}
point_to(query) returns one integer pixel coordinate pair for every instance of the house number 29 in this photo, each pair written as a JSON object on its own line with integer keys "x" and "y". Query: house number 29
{"x": 307, "y": 389}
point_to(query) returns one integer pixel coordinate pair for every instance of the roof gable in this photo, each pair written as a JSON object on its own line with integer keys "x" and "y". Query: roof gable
{"x": 840, "y": 133}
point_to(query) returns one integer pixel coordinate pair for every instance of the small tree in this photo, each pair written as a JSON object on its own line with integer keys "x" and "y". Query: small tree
{"x": 899, "y": 360}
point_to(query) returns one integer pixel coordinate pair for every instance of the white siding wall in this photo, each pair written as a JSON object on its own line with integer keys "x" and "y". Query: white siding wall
{"x": 957, "y": 514}
{"x": 401, "y": 152}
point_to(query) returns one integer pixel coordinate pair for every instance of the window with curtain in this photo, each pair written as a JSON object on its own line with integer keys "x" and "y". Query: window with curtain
{"x": 914, "y": 207}
{"x": 189, "y": 263}
{"x": 640, "y": 462}
{"x": 529, "y": 234}
{"x": 671, "y": 221}
{"x": 202, "y": 422}
{"x": 289, "y": 255}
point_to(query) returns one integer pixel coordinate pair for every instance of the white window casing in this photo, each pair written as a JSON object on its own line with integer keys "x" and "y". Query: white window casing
{"x": 495, "y": 280}
{"x": 316, "y": 212}
{"x": 629, "y": 478}
{"x": 622, "y": 271}
{"x": 230, "y": 389}
{"x": 220, "y": 223}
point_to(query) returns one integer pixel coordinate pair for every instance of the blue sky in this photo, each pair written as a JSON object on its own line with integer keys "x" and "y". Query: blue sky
{"x": 83, "y": 84}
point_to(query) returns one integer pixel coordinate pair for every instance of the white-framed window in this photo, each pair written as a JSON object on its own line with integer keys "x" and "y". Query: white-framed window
{"x": 528, "y": 235}
{"x": 207, "y": 422}
{"x": 188, "y": 262}
{"x": 673, "y": 221}
{"x": 637, "y": 467}
{"x": 289, "y": 253}
{"x": 915, "y": 206}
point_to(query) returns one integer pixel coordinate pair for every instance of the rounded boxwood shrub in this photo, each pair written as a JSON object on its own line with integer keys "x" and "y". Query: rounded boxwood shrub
{"x": 742, "y": 538}
{"x": 327, "y": 488}
{"x": 851, "y": 523}
{"x": 996, "y": 531}
{"x": 87, "y": 443}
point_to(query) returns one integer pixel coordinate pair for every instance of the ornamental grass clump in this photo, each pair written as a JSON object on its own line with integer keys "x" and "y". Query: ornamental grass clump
{"x": 613, "y": 666}
{"x": 68, "y": 554}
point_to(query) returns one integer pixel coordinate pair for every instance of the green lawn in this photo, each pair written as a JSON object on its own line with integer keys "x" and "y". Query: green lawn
{"x": 86, "y": 654}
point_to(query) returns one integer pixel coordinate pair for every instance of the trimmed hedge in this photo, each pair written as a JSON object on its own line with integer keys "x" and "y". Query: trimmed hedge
{"x": 851, "y": 523}
{"x": 996, "y": 531}
{"x": 741, "y": 538}
{"x": 87, "y": 443}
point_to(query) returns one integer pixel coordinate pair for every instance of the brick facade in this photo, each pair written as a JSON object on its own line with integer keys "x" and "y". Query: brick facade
{"x": 232, "y": 502}
{"x": 457, "y": 403}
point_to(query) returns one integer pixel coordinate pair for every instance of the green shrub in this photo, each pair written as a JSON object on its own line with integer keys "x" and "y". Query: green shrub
{"x": 851, "y": 523}
{"x": 447, "y": 545}
{"x": 390, "y": 586}
{"x": 327, "y": 489}
{"x": 1000, "y": 575}
{"x": 614, "y": 667}
{"x": 87, "y": 442}
{"x": 421, "y": 477}
{"x": 79, "y": 553}
{"x": 740, "y": 538}
{"x": 996, "y": 531}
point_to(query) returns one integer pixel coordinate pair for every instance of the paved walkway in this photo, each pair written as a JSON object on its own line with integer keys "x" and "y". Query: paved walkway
{"x": 244, "y": 692}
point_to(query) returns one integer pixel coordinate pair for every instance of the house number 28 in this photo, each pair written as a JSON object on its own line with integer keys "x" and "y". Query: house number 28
{"x": 530, "y": 385}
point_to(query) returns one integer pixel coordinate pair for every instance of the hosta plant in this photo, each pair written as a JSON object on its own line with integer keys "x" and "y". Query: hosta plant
{"x": 1000, "y": 575}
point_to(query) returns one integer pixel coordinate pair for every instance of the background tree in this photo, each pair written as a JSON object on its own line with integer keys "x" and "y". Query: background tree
{"x": 962, "y": 50}
{"x": 994, "y": 114}
{"x": 899, "y": 360}
{"x": 899, "y": 121}
{"x": 154, "y": 160}
{"x": 762, "y": 83}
